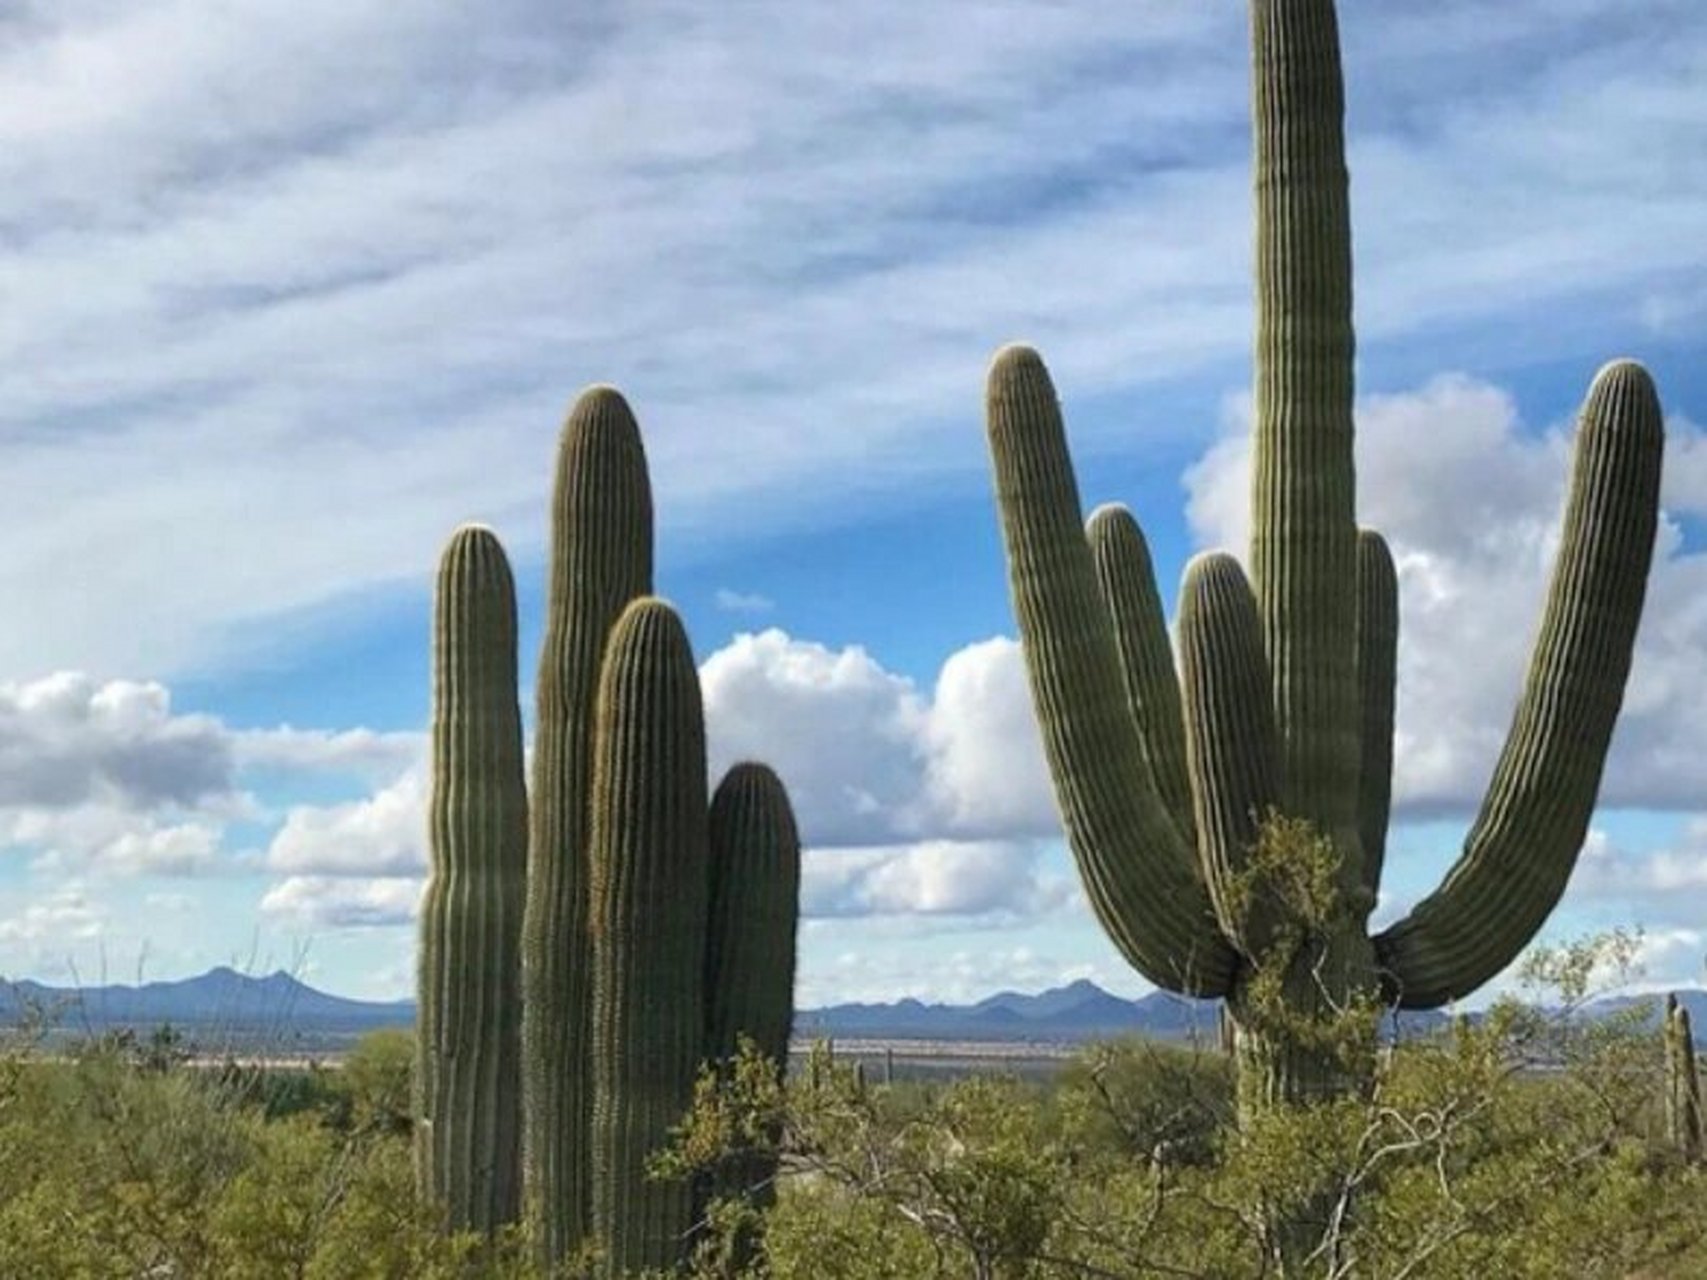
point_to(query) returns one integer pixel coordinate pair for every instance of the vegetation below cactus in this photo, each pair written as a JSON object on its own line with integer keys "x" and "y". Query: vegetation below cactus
{"x": 123, "y": 1160}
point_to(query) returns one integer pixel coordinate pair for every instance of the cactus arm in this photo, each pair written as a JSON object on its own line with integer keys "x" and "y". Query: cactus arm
{"x": 648, "y": 892}
{"x": 1231, "y": 742}
{"x": 600, "y": 559}
{"x": 1128, "y": 585}
{"x": 1303, "y": 530}
{"x": 1131, "y": 857}
{"x": 469, "y": 1038}
{"x": 754, "y": 915}
{"x": 1521, "y": 850}
{"x": 1377, "y": 678}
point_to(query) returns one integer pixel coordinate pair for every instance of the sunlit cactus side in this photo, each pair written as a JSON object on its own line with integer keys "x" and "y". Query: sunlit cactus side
{"x": 648, "y": 895}
{"x": 1286, "y": 696}
{"x": 600, "y": 559}
{"x": 1683, "y": 1084}
{"x": 468, "y": 1077}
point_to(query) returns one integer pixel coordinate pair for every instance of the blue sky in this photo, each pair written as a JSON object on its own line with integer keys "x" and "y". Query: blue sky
{"x": 292, "y": 291}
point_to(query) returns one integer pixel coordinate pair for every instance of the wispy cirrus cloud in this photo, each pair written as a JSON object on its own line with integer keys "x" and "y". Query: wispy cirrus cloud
{"x": 307, "y": 293}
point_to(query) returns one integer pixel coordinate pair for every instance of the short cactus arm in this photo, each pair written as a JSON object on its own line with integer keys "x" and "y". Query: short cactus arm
{"x": 1377, "y": 674}
{"x": 1132, "y": 859}
{"x": 1520, "y": 852}
{"x": 1231, "y": 743}
{"x": 1128, "y": 585}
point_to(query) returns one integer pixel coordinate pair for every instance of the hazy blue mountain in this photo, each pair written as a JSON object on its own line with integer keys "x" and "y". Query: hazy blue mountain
{"x": 219, "y": 1001}
{"x": 224, "y": 1006}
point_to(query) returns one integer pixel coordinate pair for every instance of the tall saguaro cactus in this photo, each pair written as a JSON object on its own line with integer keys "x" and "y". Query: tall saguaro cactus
{"x": 600, "y": 559}
{"x": 1285, "y": 697}
{"x": 468, "y": 1073}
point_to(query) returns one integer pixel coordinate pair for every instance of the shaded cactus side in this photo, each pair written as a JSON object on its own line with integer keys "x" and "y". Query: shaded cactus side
{"x": 600, "y": 559}
{"x": 647, "y": 912}
{"x": 468, "y": 1067}
{"x": 1683, "y": 1084}
{"x": 750, "y": 942}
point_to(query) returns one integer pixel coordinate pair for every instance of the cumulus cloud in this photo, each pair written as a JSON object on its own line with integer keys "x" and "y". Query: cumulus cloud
{"x": 337, "y": 902}
{"x": 67, "y": 915}
{"x": 382, "y": 835}
{"x": 868, "y": 757}
{"x": 1002, "y": 879}
{"x": 1469, "y": 498}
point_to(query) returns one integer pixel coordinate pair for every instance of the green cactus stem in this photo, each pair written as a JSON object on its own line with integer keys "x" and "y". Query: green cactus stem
{"x": 648, "y": 910}
{"x": 600, "y": 559}
{"x": 1683, "y": 1084}
{"x": 468, "y": 1076}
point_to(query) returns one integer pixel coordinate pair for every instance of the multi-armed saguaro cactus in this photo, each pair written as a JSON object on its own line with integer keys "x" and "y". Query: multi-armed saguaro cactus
{"x": 1287, "y": 680}
{"x": 1683, "y": 1085}
{"x": 631, "y": 874}
{"x": 468, "y": 1066}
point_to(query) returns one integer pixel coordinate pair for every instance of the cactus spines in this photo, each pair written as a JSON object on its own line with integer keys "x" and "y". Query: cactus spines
{"x": 600, "y": 559}
{"x": 754, "y": 913}
{"x": 469, "y": 1036}
{"x": 1287, "y": 692}
{"x": 648, "y": 896}
{"x": 1683, "y": 1084}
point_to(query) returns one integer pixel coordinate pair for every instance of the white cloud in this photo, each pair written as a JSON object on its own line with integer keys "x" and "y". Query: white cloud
{"x": 227, "y": 271}
{"x": 383, "y": 835}
{"x": 743, "y": 602}
{"x": 1469, "y": 501}
{"x": 931, "y": 878}
{"x": 349, "y": 752}
{"x": 65, "y": 917}
{"x": 343, "y": 902}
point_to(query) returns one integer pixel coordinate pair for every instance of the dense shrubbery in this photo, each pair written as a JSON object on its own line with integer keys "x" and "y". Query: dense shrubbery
{"x": 1523, "y": 1145}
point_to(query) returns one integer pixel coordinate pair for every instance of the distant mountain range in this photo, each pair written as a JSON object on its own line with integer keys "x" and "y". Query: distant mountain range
{"x": 225, "y": 1007}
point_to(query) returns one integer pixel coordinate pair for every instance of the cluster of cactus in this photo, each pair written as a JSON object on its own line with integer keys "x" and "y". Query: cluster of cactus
{"x": 1682, "y": 1084}
{"x": 586, "y": 949}
{"x": 1283, "y": 703}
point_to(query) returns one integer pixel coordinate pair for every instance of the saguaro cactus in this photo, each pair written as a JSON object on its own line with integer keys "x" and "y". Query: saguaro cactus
{"x": 600, "y": 559}
{"x": 468, "y": 1074}
{"x": 1683, "y": 1085}
{"x": 649, "y": 885}
{"x": 1286, "y": 698}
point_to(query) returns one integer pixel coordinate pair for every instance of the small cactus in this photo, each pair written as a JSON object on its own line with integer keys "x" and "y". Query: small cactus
{"x": 1683, "y": 1084}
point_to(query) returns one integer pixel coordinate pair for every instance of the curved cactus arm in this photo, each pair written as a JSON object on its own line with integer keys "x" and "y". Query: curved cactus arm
{"x": 1131, "y": 857}
{"x": 648, "y": 892}
{"x": 1303, "y": 528}
{"x": 1520, "y": 852}
{"x": 600, "y": 559}
{"x": 1231, "y": 742}
{"x": 1128, "y": 585}
{"x": 468, "y": 1130}
{"x": 1377, "y": 678}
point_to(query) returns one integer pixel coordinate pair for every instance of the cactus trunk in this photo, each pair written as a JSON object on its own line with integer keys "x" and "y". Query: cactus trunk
{"x": 468, "y": 1076}
{"x": 600, "y": 559}
{"x": 1683, "y": 1084}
